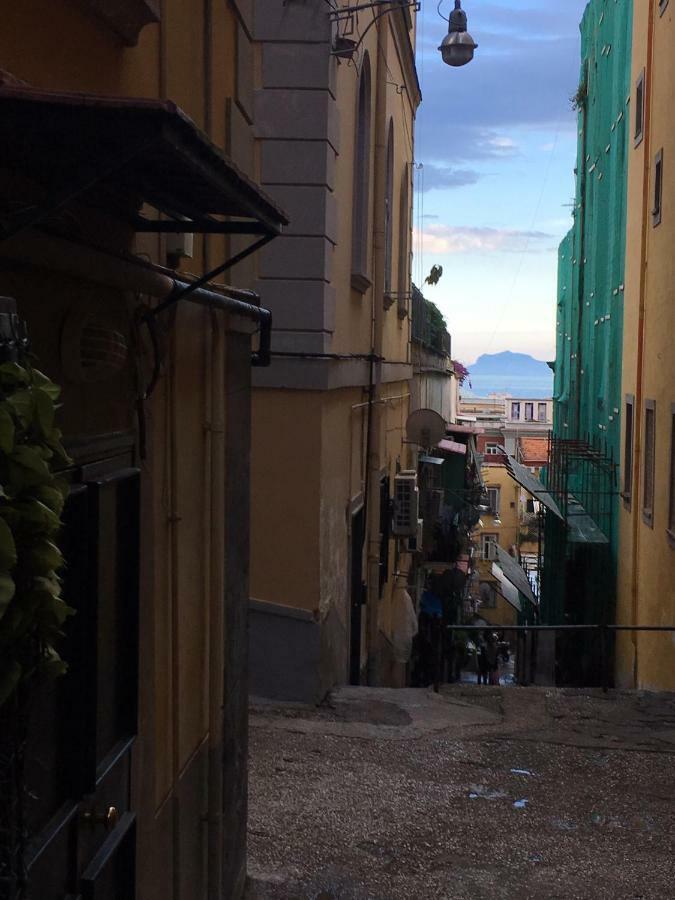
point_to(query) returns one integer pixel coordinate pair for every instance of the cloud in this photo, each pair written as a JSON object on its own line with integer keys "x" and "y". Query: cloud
{"x": 448, "y": 239}
{"x": 440, "y": 177}
{"x": 525, "y": 70}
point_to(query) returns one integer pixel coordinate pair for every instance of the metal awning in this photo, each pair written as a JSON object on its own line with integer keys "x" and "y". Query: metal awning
{"x": 581, "y": 527}
{"x": 532, "y": 484}
{"x": 506, "y": 589}
{"x": 123, "y": 154}
{"x": 452, "y": 447}
{"x": 515, "y": 574}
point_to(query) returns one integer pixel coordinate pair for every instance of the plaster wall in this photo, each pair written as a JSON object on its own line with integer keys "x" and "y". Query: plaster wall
{"x": 198, "y": 437}
{"x": 647, "y": 551}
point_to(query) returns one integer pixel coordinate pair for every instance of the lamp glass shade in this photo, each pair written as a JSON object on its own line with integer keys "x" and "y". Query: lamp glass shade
{"x": 457, "y": 48}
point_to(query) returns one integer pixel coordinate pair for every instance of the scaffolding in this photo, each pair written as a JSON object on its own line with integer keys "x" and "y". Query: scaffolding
{"x": 578, "y": 581}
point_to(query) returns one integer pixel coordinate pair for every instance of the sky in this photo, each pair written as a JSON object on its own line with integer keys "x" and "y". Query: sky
{"x": 496, "y": 142}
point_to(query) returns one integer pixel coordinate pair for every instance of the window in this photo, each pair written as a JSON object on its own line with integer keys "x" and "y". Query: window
{"x": 488, "y": 542}
{"x": 542, "y": 412}
{"x": 529, "y": 412}
{"x": 515, "y": 411}
{"x": 389, "y": 213}
{"x": 658, "y": 188}
{"x": 492, "y": 450}
{"x": 648, "y": 464}
{"x": 404, "y": 289}
{"x": 662, "y": 6}
{"x": 488, "y": 596}
{"x": 628, "y": 451}
{"x": 640, "y": 108}
{"x": 671, "y": 509}
{"x": 493, "y": 500}
{"x": 361, "y": 199}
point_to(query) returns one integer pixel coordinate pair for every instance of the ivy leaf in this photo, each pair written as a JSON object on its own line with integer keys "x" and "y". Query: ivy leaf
{"x": 27, "y": 468}
{"x": 31, "y": 516}
{"x": 7, "y": 591}
{"x": 46, "y": 385}
{"x": 52, "y": 665}
{"x": 22, "y": 403}
{"x": 43, "y": 556}
{"x": 6, "y": 430}
{"x": 12, "y": 373}
{"x": 44, "y": 410}
{"x": 7, "y": 548}
{"x": 10, "y": 675}
{"x": 52, "y": 497}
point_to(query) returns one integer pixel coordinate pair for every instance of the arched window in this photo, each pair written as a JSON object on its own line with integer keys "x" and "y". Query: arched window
{"x": 389, "y": 215}
{"x": 360, "y": 275}
{"x": 404, "y": 247}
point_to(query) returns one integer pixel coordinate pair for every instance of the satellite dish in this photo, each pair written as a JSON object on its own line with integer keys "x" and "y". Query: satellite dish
{"x": 425, "y": 427}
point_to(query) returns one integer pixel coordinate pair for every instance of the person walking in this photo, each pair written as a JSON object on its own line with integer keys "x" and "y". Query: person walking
{"x": 492, "y": 657}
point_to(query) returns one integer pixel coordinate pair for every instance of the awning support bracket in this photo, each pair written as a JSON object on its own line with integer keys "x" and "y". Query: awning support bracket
{"x": 183, "y": 293}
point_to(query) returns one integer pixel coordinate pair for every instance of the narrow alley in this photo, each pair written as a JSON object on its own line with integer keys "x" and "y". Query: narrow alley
{"x": 490, "y": 792}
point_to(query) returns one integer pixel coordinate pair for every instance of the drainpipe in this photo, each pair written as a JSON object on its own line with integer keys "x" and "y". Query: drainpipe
{"x": 375, "y": 407}
{"x": 639, "y": 375}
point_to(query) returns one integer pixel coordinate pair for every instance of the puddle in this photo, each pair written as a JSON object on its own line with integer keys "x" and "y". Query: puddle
{"x": 520, "y": 804}
{"x": 481, "y": 792}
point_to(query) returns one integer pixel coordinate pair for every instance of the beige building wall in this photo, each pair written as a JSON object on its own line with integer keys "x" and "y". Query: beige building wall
{"x": 329, "y": 324}
{"x": 647, "y": 544}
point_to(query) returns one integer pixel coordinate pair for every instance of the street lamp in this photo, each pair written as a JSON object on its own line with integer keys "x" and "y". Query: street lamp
{"x": 457, "y": 47}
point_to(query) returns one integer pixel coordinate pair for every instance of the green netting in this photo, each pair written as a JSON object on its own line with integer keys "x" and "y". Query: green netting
{"x": 592, "y": 255}
{"x": 579, "y": 578}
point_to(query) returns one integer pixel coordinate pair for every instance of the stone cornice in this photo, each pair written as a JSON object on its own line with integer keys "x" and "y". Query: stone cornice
{"x": 401, "y": 22}
{"x": 126, "y": 18}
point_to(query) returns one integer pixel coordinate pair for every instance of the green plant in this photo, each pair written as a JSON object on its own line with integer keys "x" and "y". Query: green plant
{"x": 32, "y": 611}
{"x": 434, "y": 275}
{"x": 578, "y": 100}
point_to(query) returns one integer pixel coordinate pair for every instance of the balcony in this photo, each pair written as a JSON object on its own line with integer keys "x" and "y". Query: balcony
{"x": 428, "y": 325}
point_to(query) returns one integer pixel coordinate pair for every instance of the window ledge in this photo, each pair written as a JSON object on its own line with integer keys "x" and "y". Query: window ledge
{"x": 671, "y": 537}
{"x": 648, "y": 517}
{"x": 361, "y": 283}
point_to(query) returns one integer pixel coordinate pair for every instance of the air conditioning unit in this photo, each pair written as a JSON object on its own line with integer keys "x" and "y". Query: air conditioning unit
{"x": 406, "y": 504}
{"x": 415, "y": 544}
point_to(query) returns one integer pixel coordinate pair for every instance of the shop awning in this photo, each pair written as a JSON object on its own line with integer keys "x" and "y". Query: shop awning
{"x": 122, "y": 154}
{"x": 452, "y": 447}
{"x": 515, "y": 574}
{"x": 532, "y": 485}
{"x": 506, "y": 589}
{"x": 582, "y": 529}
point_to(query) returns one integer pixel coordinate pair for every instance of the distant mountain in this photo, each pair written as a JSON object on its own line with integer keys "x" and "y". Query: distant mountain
{"x": 508, "y": 363}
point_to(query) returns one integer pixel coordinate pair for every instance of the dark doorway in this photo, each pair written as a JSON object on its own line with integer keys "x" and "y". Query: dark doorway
{"x": 79, "y": 811}
{"x": 358, "y": 594}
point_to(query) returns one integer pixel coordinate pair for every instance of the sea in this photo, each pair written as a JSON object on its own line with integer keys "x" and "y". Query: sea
{"x": 537, "y": 387}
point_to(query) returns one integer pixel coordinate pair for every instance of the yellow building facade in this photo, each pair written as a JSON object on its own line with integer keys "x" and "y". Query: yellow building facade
{"x": 501, "y": 525}
{"x": 646, "y": 593}
{"x": 335, "y": 139}
{"x": 179, "y": 785}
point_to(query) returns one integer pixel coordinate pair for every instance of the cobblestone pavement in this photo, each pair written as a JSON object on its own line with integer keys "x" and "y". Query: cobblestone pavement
{"x": 474, "y": 793}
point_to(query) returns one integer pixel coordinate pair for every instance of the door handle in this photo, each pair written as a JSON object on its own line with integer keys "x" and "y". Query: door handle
{"x": 108, "y": 820}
